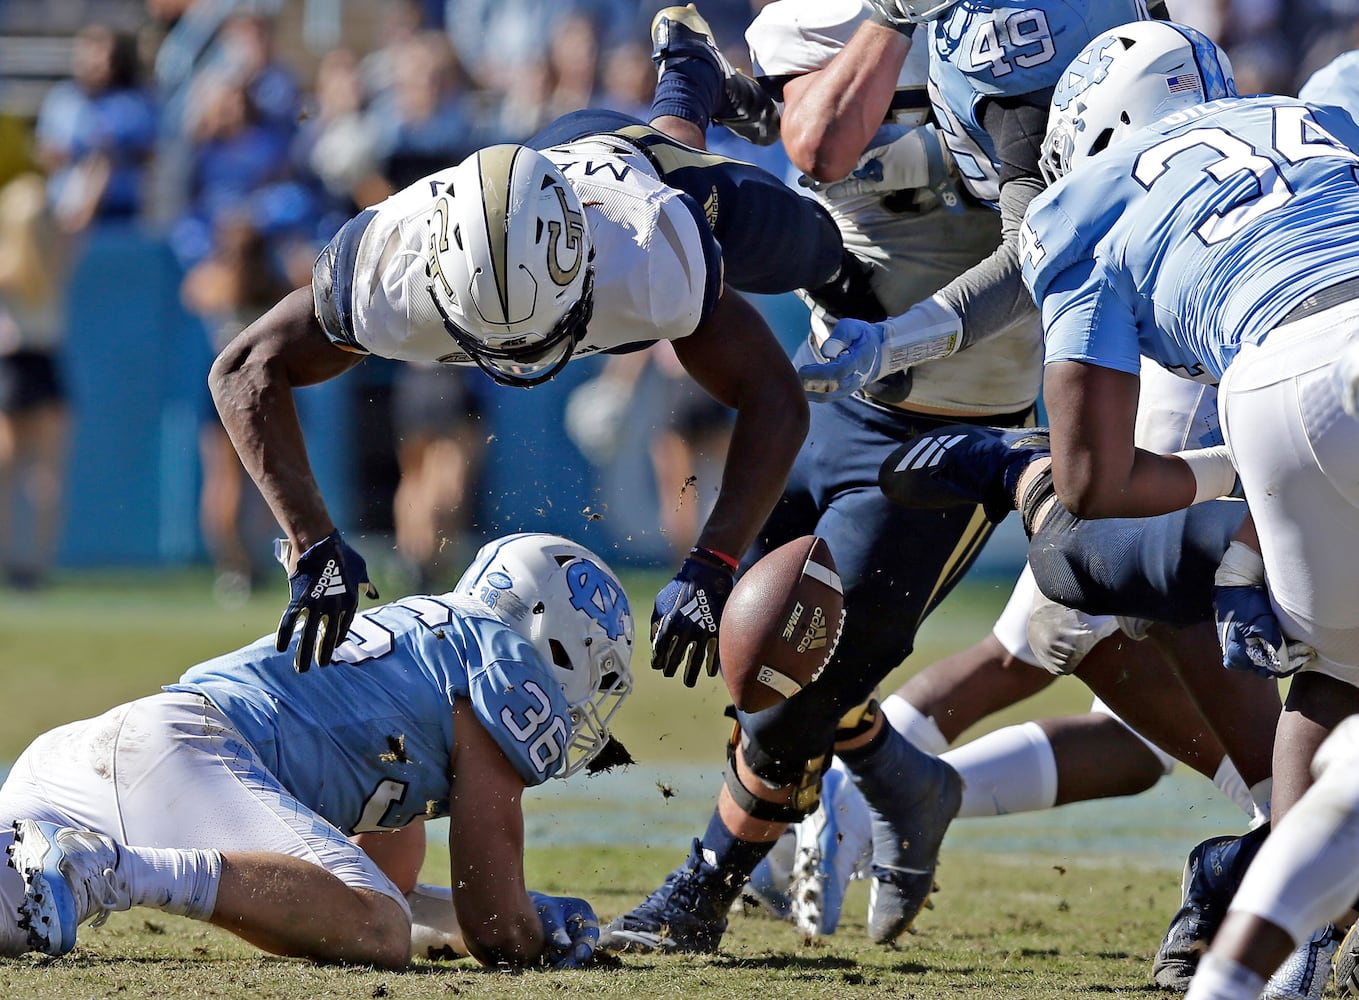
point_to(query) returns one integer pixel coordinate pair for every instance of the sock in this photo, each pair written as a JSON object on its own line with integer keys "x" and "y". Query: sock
{"x": 689, "y": 88}
{"x": 919, "y": 729}
{"x": 891, "y": 771}
{"x": 1229, "y": 780}
{"x": 1221, "y": 978}
{"x": 733, "y": 857}
{"x": 182, "y": 881}
{"x": 1260, "y": 793}
{"x": 1007, "y": 771}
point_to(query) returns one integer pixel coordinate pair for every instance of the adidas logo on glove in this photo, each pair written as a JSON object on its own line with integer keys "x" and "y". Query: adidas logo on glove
{"x": 330, "y": 583}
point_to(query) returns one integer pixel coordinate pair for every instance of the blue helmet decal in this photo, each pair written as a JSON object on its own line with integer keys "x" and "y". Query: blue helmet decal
{"x": 594, "y": 593}
{"x": 1217, "y": 80}
{"x": 1091, "y": 66}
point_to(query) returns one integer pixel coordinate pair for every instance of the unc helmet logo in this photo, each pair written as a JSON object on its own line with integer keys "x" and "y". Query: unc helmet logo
{"x": 1089, "y": 67}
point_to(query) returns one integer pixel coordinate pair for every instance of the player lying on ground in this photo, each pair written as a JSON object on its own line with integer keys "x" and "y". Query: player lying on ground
{"x": 230, "y": 797}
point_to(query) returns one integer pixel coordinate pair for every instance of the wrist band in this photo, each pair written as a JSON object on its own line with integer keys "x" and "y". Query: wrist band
{"x": 1214, "y": 474}
{"x": 721, "y": 557}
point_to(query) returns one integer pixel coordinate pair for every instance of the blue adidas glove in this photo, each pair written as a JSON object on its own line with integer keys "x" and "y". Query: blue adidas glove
{"x": 685, "y": 618}
{"x": 324, "y": 589}
{"x": 1246, "y": 627}
{"x": 853, "y": 358}
{"x": 570, "y": 929}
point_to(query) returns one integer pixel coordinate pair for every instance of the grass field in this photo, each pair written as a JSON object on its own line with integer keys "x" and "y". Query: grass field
{"x": 1068, "y": 904}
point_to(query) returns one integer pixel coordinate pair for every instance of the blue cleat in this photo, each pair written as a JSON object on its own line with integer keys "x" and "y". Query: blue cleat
{"x": 745, "y": 108}
{"x": 1305, "y": 973}
{"x": 962, "y": 464}
{"x": 69, "y": 876}
{"x": 688, "y": 913}
{"x": 833, "y": 844}
{"x": 1211, "y": 876}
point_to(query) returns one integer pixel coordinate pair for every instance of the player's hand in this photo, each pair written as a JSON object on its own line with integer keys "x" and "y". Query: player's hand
{"x": 1247, "y": 629}
{"x": 897, "y": 159}
{"x": 853, "y": 354}
{"x": 324, "y": 589}
{"x": 685, "y": 619}
{"x": 570, "y": 930}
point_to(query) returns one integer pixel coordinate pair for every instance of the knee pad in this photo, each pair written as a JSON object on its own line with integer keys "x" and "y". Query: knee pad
{"x": 806, "y": 791}
{"x": 1060, "y": 638}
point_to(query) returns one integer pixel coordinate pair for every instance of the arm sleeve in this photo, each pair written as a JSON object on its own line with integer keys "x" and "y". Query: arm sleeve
{"x": 990, "y": 296}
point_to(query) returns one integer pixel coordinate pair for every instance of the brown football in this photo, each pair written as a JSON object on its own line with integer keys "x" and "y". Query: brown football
{"x": 781, "y": 624}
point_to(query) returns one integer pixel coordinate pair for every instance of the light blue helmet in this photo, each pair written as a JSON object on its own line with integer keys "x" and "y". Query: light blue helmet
{"x": 1125, "y": 79}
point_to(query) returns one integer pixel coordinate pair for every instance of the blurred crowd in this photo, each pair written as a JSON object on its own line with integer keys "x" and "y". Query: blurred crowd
{"x": 246, "y": 156}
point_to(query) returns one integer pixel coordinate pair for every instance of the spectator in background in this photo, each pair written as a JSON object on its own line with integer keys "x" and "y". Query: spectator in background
{"x": 440, "y": 441}
{"x": 427, "y": 121}
{"x": 563, "y": 79}
{"x": 228, "y": 290}
{"x": 33, "y": 408}
{"x": 95, "y": 133}
{"x": 627, "y": 80}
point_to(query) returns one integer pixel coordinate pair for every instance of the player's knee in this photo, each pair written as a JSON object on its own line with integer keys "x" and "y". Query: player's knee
{"x": 383, "y": 937}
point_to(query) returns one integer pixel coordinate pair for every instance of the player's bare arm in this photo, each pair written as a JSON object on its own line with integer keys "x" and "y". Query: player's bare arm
{"x": 399, "y": 853}
{"x": 252, "y": 384}
{"x": 498, "y": 919}
{"x": 735, "y": 357}
{"x": 830, "y": 114}
{"x": 1096, "y": 469}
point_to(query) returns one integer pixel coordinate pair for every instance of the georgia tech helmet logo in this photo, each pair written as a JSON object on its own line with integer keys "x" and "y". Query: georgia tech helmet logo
{"x": 560, "y": 243}
{"x": 438, "y": 241}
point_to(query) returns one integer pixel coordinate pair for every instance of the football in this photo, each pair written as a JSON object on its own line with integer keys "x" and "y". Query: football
{"x": 781, "y": 624}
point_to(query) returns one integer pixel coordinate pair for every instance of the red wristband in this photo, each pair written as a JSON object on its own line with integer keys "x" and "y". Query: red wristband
{"x": 719, "y": 556}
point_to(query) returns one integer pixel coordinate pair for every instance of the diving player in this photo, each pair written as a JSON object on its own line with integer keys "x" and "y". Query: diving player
{"x": 230, "y": 796}
{"x": 602, "y": 234}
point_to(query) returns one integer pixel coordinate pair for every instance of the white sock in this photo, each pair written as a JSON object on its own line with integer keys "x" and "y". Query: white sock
{"x": 175, "y": 880}
{"x": 1229, "y": 780}
{"x": 920, "y": 730}
{"x": 1260, "y": 793}
{"x": 1008, "y": 771}
{"x": 1219, "y": 978}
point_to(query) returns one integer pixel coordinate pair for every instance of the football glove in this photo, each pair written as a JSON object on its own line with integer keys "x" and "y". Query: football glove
{"x": 1246, "y": 626}
{"x": 324, "y": 589}
{"x": 858, "y": 353}
{"x": 687, "y": 612}
{"x": 570, "y": 930}
{"x": 897, "y": 159}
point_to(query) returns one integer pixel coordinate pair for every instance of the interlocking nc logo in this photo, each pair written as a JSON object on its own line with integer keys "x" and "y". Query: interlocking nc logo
{"x": 1083, "y": 72}
{"x": 816, "y": 634}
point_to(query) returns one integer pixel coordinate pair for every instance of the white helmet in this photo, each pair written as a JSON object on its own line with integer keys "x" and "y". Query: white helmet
{"x": 563, "y": 599}
{"x": 1125, "y": 79}
{"x": 509, "y": 264}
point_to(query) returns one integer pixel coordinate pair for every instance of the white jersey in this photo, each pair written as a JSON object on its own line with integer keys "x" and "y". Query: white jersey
{"x": 657, "y": 266}
{"x": 914, "y": 248}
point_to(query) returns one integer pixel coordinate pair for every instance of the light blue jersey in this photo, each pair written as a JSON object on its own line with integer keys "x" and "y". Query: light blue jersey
{"x": 981, "y": 49}
{"x": 1336, "y": 83}
{"x": 367, "y": 741}
{"x": 1195, "y": 235}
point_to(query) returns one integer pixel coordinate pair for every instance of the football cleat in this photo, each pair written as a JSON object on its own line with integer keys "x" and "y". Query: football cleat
{"x": 688, "y": 913}
{"x": 1211, "y": 875}
{"x": 745, "y": 108}
{"x": 767, "y": 890}
{"x": 69, "y": 876}
{"x": 908, "y": 830}
{"x": 1346, "y": 959}
{"x": 1305, "y": 972}
{"x": 833, "y": 845}
{"x": 962, "y": 464}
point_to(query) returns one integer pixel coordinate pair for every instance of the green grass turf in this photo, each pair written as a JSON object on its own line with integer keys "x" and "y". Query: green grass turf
{"x": 1034, "y": 923}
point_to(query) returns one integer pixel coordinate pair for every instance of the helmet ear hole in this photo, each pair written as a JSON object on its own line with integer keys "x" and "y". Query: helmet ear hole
{"x": 560, "y": 657}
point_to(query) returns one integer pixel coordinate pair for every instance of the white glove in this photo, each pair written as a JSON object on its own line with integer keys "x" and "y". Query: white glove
{"x": 858, "y": 353}
{"x": 897, "y": 159}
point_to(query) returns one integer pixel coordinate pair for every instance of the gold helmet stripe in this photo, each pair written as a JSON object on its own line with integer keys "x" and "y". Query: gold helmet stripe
{"x": 496, "y": 165}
